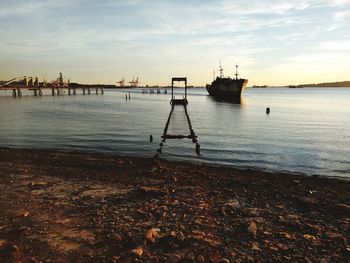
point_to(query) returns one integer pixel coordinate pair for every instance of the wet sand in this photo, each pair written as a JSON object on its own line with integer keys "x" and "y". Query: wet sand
{"x": 78, "y": 207}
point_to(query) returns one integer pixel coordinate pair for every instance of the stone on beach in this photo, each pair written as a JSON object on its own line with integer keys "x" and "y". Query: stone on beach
{"x": 137, "y": 251}
{"x": 174, "y": 258}
{"x": 252, "y": 228}
{"x": 151, "y": 235}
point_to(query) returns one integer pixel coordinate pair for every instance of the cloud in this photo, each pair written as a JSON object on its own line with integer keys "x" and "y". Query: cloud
{"x": 183, "y": 35}
{"x": 340, "y": 19}
{"x": 15, "y": 8}
{"x": 8, "y": 10}
{"x": 337, "y": 46}
{"x": 260, "y": 7}
{"x": 316, "y": 58}
{"x": 341, "y": 16}
{"x": 339, "y": 2}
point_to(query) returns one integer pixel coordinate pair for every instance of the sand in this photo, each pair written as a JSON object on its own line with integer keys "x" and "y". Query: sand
{"x": 78, "y": 207}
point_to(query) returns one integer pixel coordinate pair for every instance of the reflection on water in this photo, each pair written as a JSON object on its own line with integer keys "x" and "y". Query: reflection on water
{"x": 307, "y": 130}
{"x": 240, "y": 101}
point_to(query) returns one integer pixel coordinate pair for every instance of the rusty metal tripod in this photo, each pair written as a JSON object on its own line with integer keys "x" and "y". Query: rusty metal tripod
{"x": 184, "y": 103}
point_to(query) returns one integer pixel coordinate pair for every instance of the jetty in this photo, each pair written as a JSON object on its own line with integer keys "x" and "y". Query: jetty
{"x": 57, "y": 87}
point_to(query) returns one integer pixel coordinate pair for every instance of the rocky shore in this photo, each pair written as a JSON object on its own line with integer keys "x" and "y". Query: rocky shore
{"x": 79, "y": 207}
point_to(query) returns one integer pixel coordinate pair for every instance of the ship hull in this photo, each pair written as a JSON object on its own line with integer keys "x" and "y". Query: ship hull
{"x": 227, "y": 89}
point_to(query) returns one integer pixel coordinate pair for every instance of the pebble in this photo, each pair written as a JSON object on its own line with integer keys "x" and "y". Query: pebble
{"x": 124, "y": 260}
{"x": 200, "y": 259}
{"x": 2, "y": 243}
{"x": 174, "y": 258}
{"x": 116, "y": 237}
{"x": 252, "y": 228}
{"x": 151, "y": 235}
{"x": 181, "y": 235}
{"x": 190, "y": 256}
{"x": 137, "y": 251}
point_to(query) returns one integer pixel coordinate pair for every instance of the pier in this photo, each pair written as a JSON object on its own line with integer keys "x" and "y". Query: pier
{"x": 17, "y": 91}
{"x": 56, "y": 88}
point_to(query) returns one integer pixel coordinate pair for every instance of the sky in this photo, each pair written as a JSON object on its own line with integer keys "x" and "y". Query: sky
{"x": 274, "y": 42}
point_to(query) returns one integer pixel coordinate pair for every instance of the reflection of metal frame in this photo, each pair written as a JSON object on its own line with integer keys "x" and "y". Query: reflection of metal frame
{"x": 184, "y": 103}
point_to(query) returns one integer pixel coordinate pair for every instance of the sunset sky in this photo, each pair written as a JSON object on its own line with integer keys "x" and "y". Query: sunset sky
{"x": 274, "y": 42}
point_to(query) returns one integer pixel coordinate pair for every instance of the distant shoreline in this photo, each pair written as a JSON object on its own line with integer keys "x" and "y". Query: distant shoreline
{"x": 299, "y": 87}
{"x": 337, "y": 84}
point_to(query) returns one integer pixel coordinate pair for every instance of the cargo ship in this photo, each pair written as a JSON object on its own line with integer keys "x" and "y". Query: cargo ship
{"x": 227, "y": 88}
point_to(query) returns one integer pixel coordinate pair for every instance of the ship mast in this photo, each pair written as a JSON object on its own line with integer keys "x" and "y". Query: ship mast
{"x": 236, "y": 72}
{"x": 221, "y": 70}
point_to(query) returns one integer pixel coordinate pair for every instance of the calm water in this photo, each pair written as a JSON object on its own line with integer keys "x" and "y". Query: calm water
{"x": 307, "y": 130}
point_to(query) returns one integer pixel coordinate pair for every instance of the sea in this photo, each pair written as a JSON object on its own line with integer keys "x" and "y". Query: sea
{"x": 306, "y": 132}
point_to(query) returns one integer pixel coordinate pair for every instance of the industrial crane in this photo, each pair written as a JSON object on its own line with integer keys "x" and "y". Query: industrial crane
{"x": 24, "y": 78}
{"x": 27, "y": 81}
{"x": 121, "y": 82}
{"x": 134, "y": 83}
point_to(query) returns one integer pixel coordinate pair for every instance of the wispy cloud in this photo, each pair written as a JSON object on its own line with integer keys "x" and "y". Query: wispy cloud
{"x": 17, "y": 8}
{"x": 323, "y": 57}
{"x": 335, "y": 46}
{"x": 339, "y": 2}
